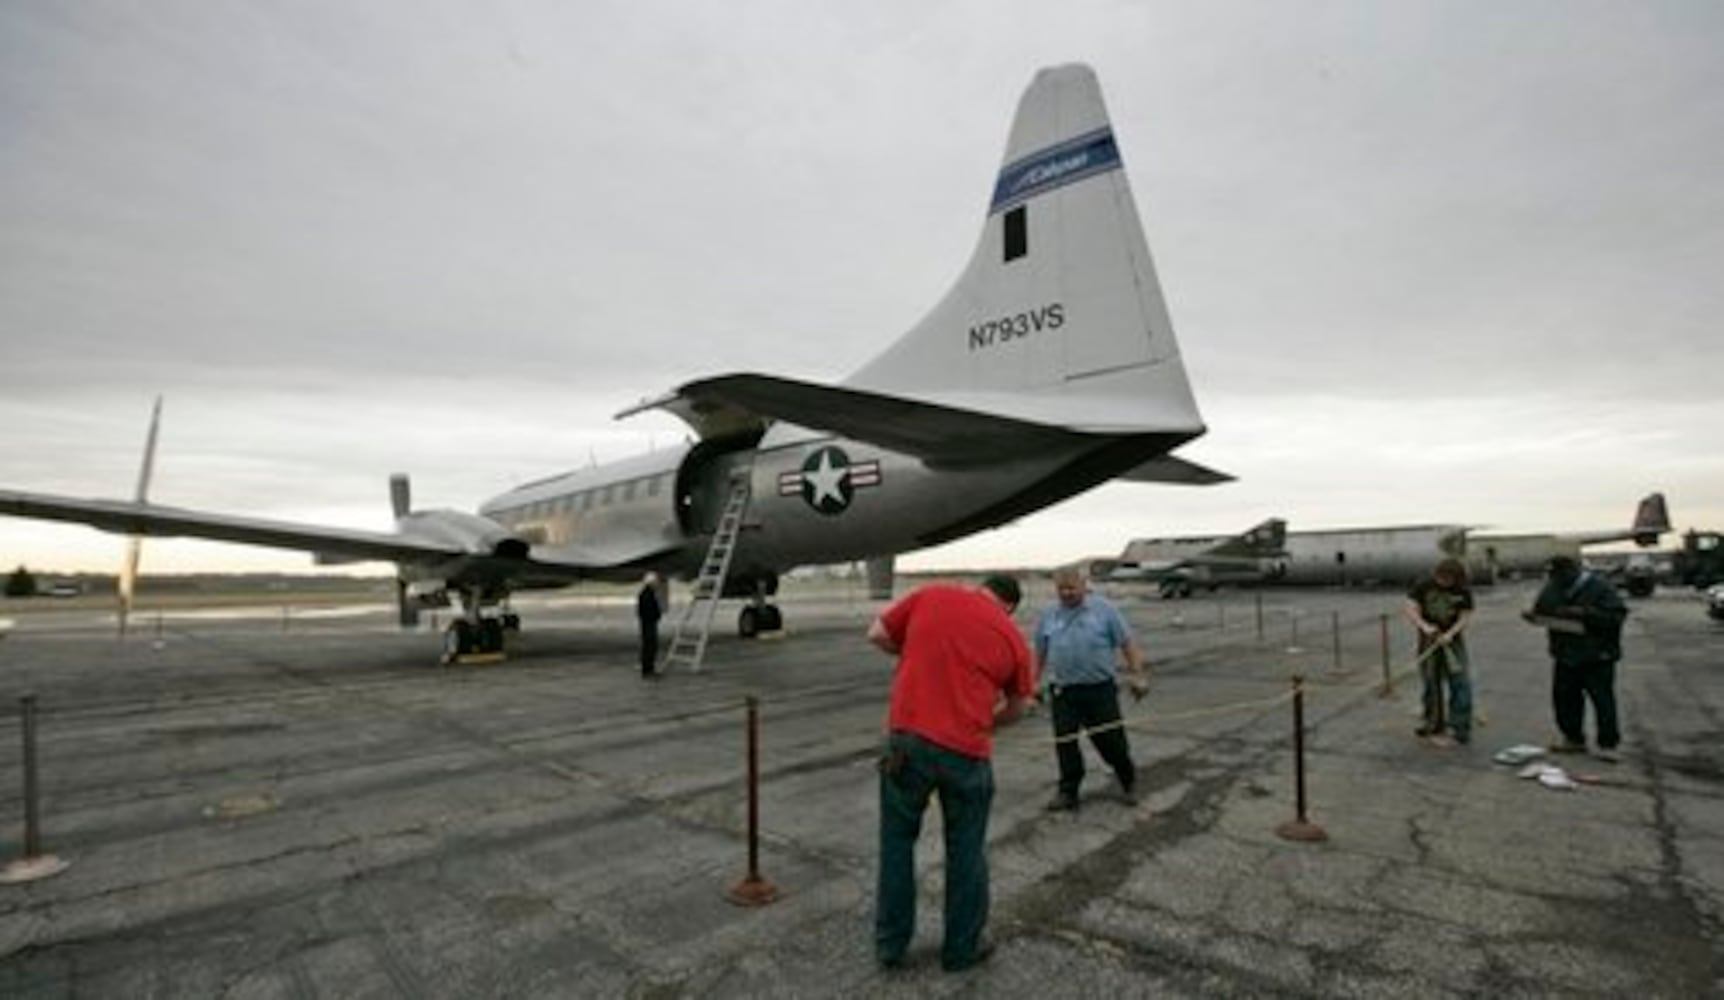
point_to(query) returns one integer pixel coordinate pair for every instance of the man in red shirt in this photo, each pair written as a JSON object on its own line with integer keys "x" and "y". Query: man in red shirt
{"x": 963, "y": 669}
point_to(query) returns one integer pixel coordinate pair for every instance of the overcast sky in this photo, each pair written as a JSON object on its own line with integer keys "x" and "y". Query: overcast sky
{"x": 1457, "y": 261}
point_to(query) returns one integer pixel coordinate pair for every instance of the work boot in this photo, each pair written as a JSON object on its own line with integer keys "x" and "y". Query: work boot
{"x": 983, "y": 951}
{"x": 1062, "y": 802}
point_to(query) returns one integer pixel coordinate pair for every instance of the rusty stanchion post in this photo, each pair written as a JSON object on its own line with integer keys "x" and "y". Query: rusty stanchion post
{"x": 1299, "y": 828}
{"x": 1388, "y": 688}
{"x": 34, "y": 864}
{"x": 1335, "y": 629}
{"x": 32, "y": 787}
{"x": 1259, "y": 596}
{"x": 753, "y": 890}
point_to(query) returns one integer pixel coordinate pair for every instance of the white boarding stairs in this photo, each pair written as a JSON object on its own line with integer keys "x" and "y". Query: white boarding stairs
{"x": 688, "y": 642}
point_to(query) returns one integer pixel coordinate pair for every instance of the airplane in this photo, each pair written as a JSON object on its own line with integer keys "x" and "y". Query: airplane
{"x": 1178, "y": 565}
{"x": 1494, "y": 556}
{"x": 1399, "y": 554}
{"x": 1049, "y": 367}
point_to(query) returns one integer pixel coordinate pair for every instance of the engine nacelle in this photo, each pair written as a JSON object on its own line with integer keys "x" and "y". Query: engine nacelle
{"x": 464, "y": 532}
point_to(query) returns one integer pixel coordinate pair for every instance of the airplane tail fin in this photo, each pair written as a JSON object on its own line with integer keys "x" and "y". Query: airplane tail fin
{"x": 1651, "y": 519}
{"x": 1059, "y": 317}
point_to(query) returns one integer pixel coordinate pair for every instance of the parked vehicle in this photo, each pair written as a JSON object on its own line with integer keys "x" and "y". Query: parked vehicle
{"x": 1700, "y": 563}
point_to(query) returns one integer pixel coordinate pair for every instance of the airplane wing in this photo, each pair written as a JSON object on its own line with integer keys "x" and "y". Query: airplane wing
{"x": 154, "y": 519}
{"x": 945, "y": 433}
{"x": 426, "y": 538}
{"x": 1169, "y": 469}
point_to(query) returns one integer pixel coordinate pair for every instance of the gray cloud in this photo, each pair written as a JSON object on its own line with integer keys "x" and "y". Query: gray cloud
{"x": 351, "y": 239}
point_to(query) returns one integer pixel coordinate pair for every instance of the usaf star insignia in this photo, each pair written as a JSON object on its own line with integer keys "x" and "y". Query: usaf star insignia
{"x": 828, "y": 480}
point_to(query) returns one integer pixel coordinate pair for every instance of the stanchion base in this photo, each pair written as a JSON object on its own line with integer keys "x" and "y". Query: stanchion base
{"x": 1386, "y": 691}
{"x": 1302, "y": 830}
{"x": 752, "y": 891}
{"x": 31, "y": 869}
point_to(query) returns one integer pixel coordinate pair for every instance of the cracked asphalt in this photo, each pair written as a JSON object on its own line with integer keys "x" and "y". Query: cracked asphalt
{"x": 277, "y": 807}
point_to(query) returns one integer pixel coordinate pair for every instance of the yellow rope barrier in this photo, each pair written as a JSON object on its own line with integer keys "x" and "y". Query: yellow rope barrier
{"x": 1410, "y": 670}
{"x": 1196, "y": 713}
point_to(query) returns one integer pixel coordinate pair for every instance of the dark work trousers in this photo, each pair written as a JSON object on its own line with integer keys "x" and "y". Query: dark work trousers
{"x": 649, "y": 646}
{"x": 966, "y": 789}
{"x": 1090, "y": 706}
{"x": 1571, "y": 685}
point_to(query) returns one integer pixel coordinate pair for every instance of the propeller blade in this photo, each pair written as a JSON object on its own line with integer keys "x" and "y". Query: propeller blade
{"x": 400, "y": 495}
{"x": 128, "y": 581}
{"x": 401, "y": 501}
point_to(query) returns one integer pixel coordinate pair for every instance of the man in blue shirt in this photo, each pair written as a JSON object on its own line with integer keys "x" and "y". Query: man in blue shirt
{"x": 1079, "y": 643}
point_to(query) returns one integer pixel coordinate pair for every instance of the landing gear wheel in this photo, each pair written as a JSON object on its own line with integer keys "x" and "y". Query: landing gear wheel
{"x": 771, "y": 619}
{"x": 748, "y": 622}
{"x": 512, "y": 622}
{"x": 491, "y": 635}
{"x": 457, "y": 639}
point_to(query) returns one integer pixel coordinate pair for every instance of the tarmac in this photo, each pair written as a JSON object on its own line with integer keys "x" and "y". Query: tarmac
{"x": 290, "y": 804}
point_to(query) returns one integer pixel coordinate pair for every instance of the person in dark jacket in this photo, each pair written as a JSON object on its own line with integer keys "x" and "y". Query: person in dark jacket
{"x": 1583, "y": 616}
{"x": 649, "y": 610}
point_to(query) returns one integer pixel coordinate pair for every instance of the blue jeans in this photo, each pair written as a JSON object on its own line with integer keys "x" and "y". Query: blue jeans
{"x": 966, "y": 789}
{"x": 1448, "y": 665}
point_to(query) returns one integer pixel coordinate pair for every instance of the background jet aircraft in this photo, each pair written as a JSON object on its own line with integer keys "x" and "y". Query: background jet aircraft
{"x": 1398, "y": 554}
{"x": 1392, "y": 554}
{"x": 1491, "y": 556}
{"x": 1178, "y": 565}
{"x": 1049, "y": 367}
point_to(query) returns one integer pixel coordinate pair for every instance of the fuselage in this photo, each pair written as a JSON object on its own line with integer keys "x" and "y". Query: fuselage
{"x": 1394, "y": 555}
{"x": 814, "y": 498}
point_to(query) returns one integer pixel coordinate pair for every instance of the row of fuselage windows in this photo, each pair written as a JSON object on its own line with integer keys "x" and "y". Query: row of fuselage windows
{"x": 598, "y": 496}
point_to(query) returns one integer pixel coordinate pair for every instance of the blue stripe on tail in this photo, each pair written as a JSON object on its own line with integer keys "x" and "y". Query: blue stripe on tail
{"x": 1055, "y": 167}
